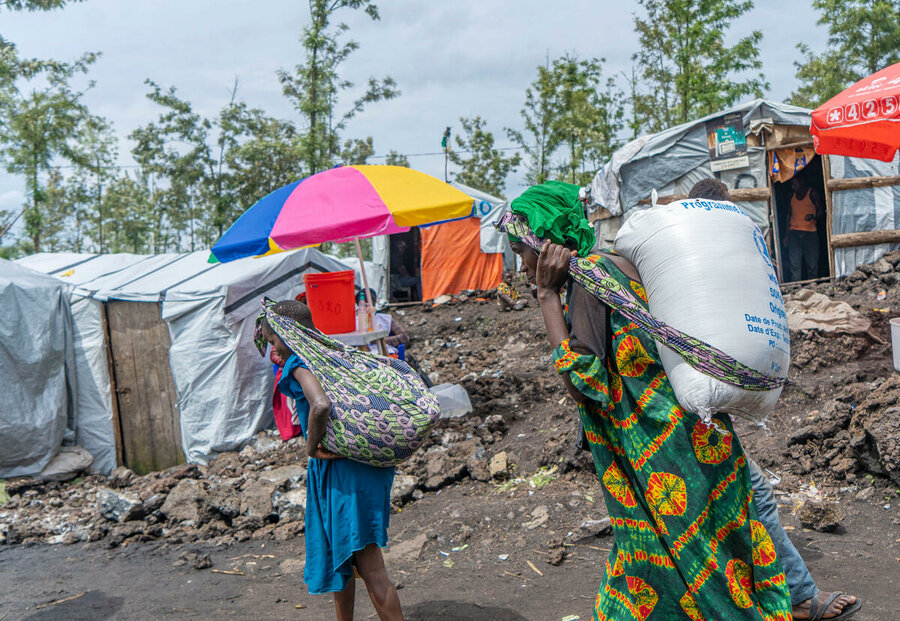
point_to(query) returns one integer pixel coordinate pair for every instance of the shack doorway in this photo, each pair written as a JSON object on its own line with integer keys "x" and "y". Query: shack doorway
{"x": 802, "y": 256}
{"x": 405, "y": 260}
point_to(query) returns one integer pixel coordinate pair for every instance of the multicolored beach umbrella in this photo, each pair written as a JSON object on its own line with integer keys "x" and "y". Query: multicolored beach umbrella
{"x": 341, "y": 204}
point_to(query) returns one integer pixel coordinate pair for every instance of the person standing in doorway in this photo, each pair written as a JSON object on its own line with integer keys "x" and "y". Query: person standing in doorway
{"x": 803, "y": 235}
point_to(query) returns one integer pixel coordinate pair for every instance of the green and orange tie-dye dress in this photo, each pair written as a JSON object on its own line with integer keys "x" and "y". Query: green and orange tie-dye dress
{"x": 688, "y": 542}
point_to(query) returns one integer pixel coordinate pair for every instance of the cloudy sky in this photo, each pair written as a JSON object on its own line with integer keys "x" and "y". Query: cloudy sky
{"x": 450, "y": 59}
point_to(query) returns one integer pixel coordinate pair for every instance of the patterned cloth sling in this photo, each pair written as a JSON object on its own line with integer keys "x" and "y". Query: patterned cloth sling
{"x": 698, "y": 354}
{"x": 381, "y": 411}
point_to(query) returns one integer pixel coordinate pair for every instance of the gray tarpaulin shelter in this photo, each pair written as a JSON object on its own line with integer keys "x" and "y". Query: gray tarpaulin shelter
{"x": 862, "y": 196}
{"x": 37, "y": 379}
{"x": 165, "y": 343}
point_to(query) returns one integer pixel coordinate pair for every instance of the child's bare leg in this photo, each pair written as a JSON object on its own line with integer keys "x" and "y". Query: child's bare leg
{"x": 344, "y": 600}
{"x": 384, "y": 596}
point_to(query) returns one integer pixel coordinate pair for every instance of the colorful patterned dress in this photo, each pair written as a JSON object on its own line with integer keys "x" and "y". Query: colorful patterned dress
{"x": 688, "y": 542}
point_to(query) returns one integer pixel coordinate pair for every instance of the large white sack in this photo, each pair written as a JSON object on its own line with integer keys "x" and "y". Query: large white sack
{"x": 706, "y": 271}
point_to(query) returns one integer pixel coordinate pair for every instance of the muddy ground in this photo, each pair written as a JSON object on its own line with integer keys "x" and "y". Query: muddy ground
{"x": 469, "y": 539}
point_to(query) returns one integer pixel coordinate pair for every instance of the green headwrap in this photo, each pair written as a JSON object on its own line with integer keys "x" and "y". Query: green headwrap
{"x": 554, "y": 212}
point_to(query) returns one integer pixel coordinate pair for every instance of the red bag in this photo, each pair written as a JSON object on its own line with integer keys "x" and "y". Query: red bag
{"x": 283, "y": 413}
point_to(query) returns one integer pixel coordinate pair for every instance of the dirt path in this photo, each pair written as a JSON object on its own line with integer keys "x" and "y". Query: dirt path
{"x": 141, "y": 581}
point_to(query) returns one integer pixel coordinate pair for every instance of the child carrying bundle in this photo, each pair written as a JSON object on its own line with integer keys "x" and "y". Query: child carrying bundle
{"x": 347, "y": 502}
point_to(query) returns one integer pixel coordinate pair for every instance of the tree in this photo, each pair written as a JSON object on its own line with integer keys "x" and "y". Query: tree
{"x": 314, "y": 85}
{"x": 587, "y": 119}
{"x": 35, "y": 5}
{"x": 95, "y": 168}
{"x": 393, "y": 158}
{"x": 684, "y": 65}
{"x": 127, "y": 205}
{"x": 268, "y": 157}
{"x": 538, "y": 114}
{"x": 13, "y": 70}
{"x": 863, "y": 37}
{"x": 357, "y": 151}
{"x": 175, "y": 152}
{"x": 39, "y": 126}
{"x": 566, "y": 106}
{"x": 485, "y": 168}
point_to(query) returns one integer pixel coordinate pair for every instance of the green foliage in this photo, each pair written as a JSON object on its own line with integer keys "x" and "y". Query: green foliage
{"x": 394, "y": 158}
{"x": 174, "y": 152}
{"x": 34, "y": 5}
{"x": 587, "y": 118}
{"x": 539, "y": 140}
{"x": 37, "y": 126}
{"x": 565, "y": 108}
{"x": 314, "y": 85}
{"x": 357, "y": 151}
{"x": 204, "y": 173}
{"x": 685, "y": 70}
{"x": 863, "y": 37}
{"x": 267, "y": 156}
{"x": 483, "y": 167}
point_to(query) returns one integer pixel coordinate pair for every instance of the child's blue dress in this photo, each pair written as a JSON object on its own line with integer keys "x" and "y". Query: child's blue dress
{"x": 348, "y": 504}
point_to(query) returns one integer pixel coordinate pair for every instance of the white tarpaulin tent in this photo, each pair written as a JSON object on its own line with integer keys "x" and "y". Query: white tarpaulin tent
{"x": 36, "y": 370}
{"x": 222, "y": 389}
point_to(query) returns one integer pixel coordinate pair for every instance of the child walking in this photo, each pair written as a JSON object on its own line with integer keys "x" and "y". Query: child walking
{"x": 347, "y": 502}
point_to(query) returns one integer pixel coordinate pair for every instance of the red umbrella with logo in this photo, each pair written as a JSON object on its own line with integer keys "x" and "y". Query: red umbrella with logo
{"x": 863, "y": 120}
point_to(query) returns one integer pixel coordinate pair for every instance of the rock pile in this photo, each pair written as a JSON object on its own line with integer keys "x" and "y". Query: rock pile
{"x": 857, "y": 432}
{"x": 258, "y": 493}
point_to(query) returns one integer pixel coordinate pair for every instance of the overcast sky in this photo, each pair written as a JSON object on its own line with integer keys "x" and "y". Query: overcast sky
{"x": 450, "y": 59}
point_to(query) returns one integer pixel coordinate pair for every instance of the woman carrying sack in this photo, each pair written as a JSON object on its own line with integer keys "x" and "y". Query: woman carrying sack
{"x": 688, "y": 541}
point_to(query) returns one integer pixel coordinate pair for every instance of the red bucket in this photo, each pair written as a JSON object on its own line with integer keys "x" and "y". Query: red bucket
{"x": 330, "y": 298}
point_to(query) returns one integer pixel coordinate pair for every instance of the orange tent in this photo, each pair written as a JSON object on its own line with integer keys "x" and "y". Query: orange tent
{"x": 452, "y": 260}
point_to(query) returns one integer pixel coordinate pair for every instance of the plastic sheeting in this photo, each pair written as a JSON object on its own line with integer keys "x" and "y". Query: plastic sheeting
{"x": 223, "y": 388}
{"x": 866, "y": 209}
{"x": 93, "y": 404}
{"x": 452, "y": 261}
{"x": 37, "y": 367}
{"x": 94, "y": 430}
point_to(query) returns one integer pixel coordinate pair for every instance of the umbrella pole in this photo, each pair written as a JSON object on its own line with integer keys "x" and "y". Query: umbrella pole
{"x": 382, "y": 348}
{"x": 362, "y": 270}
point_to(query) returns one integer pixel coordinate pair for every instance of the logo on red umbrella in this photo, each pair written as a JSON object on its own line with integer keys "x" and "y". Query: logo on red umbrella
{"x": 835, "y": 115}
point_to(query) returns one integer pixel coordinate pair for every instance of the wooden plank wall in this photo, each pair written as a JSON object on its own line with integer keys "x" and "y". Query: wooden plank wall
{"x": 148, "y": 418}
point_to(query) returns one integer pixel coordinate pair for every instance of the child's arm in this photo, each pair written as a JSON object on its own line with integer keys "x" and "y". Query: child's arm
{"x": 319, "y": 409}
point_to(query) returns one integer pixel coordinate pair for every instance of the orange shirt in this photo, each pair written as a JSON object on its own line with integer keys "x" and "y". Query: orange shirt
{"x": 800, "y": 208}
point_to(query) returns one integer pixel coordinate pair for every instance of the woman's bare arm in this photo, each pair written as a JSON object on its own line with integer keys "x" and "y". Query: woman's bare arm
{"x": 552, "y": 273}
{"x": 319, "y": 410}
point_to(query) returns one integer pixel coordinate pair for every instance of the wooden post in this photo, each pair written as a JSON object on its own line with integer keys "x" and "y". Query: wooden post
{"x": 114, "y": 397}
{"x": 859, "y": 183}
{"x": 829, "y": 210}
{"x": 739, "y": 195}
{"x": 790, "y": 145}
{"x": 865, "y": 238}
